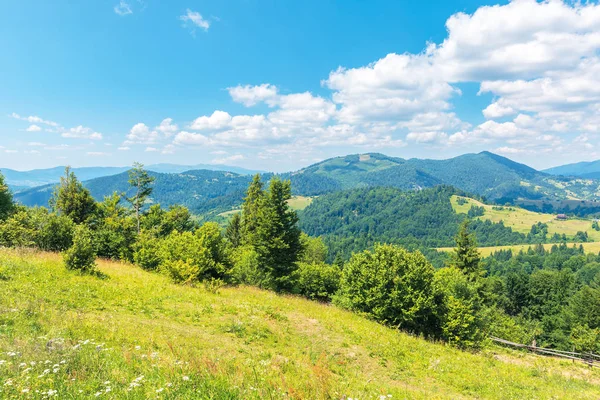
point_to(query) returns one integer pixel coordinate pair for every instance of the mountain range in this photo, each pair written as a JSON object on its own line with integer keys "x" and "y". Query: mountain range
{"x": 496, "y": 178}
{"x": 585, "y": 169}
{"x": 19, "y": 180}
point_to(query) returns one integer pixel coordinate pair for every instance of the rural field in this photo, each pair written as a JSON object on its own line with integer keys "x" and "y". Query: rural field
{"x": 589, "y": 247}
{"x": 132, "y": 334}
{"x": 521, "y": 220}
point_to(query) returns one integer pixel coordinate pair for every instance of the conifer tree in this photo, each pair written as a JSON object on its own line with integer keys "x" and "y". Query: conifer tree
{"x": 466, "y": 257}
{"x": 279, "y": 234}
{"x": 253, "y": 206}
{"x": 70, "y": 198}
{"x": 6, "y": 199}
{"x": 141, "y": 182}
{"x": 234, "y": 230}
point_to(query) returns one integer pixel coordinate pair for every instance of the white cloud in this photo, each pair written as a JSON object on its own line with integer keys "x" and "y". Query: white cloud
{"x": 218, "y": 120}
{"x": 151, "y": 149}
{"x": 251, "y": 95}
{"x": 167, "y": 127}
{"x": 193, "y": 20}
{"x": 34, "y": 120}
{"x": 97, "y": 154}
{"x": 35, "y": 144}
{"x": 82, "y": 132}
{"x": 33, "y": 128}
{"x": 11, "y": 151}
{"x": 123, "y": 148}
{"x": 140, "y": 133}
{"x": 123, "y": 8}
{"x": 33, "y": 152}
{"x": 230, "y": 159}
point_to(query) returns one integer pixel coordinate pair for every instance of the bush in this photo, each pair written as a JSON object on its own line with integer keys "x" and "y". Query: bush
{"x": 391, "y": 285}
{"x": 187, "y": 257}
{"x": 82, "y": 255}
{"x": 317, "y": 281}
{"x": 146, "y": 251}
{"x": 459, "y": 308}
{"x": 246, "y": 268}
{"x": 53, "y": 232}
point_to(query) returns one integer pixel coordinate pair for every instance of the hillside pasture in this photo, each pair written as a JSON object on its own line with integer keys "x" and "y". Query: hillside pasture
{"x": 521, "y": 220}
{"x": 133, "y": 334}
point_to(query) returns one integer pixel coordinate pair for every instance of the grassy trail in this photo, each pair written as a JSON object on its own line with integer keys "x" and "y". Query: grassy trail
{"x": 134, "y": 335}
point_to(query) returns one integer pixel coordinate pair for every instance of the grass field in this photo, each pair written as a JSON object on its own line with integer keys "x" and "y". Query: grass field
{"x": 132, "y": 334}
{"x": 521, "y": 220}
{"x": 590, "y": 247}
{"x": 300, "y": 202}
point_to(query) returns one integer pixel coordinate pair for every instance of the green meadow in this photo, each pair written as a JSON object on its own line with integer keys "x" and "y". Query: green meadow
{"x": 127, "y": 333}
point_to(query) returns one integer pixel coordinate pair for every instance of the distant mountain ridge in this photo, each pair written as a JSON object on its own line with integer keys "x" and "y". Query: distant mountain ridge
{"x": 19, "y": 180}
{"x": 585, "y": 169}
{"x": 494, "y": 177}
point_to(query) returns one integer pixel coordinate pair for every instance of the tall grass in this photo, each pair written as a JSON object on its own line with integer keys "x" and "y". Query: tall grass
{"x": 133, "y": 334}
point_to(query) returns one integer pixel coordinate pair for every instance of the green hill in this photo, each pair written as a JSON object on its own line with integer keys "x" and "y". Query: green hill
{"x": 354, "y": 220}
{"x": 496, "y": 178}
{"x": 132, "y": 334}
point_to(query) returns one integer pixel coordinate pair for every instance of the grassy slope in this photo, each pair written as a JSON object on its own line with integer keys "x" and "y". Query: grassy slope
{"x": 521, "y": 220}
{"x": 240, "y": 343}
{"x": 590, "y": 247}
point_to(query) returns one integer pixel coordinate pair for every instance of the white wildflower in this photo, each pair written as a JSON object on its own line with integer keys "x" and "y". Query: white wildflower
{"x": 186, "y": 378}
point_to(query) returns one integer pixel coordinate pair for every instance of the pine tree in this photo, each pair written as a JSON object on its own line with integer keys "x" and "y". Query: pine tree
{"x": 6, "y": 199}
{"x": 279, "y": 234}
{"x": 70, "y": 198}
{"x": 141, "y": 182}
{"x": 254, "y": 203}
{"x": 233, "y": 233}
{"x": 466, "y": 257}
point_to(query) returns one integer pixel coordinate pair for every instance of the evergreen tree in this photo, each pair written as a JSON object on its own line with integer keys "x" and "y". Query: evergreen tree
{"x": 254, "y": 203}
{"x": 70, "y": 198}
{"x": 279, "y": 234}
{"x": 6, "y": 200}
{"x": 141, "y": 182}
{"x": 466, "y": 257}
{"x": 233, "y": 233}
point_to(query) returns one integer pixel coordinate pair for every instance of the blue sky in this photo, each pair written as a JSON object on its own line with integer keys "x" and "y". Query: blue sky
{"x": 278, "y": 85}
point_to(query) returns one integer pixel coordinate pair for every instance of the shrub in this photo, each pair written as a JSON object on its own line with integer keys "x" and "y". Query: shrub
{"x": 391, "y": 285}
{"x": 185, "y": 258}
{"x": 317, "y": 281}
{"x": 246, "y": 268}
{"x": 146, "y": 251}
{"x": 53, "y": 232}
{"x": 459, "y": 308}
{"x": 82, "y": 255}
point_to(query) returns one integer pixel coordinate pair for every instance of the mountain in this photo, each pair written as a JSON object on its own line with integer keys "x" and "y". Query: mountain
{"x": 586, "y": 169}
{"x": 20, "y": 180}
{"x": 39, "y": 177}
{"x": 494, "y": 177}
{"x": 201, "y": 190}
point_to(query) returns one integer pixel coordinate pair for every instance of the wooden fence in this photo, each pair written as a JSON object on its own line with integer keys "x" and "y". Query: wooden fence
{"x": 591, "y": 359}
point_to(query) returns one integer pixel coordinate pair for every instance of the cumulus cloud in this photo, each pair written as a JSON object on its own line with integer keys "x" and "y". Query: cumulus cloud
{"x": 140, "y": 133}
{"x": 33, "y": 128}
{"x": 538, "y": 61}
{"x": 251, "y": 95}
{"x": 167, "y": 127}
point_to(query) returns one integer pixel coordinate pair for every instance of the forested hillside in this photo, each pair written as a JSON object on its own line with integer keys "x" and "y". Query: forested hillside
{"x": 354, "y": 220}
{"x": 201, "y": 191}
{"x": 498, "y": 179}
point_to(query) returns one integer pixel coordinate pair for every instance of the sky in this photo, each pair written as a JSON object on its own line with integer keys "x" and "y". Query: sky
{"x": 278, "y": 85}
